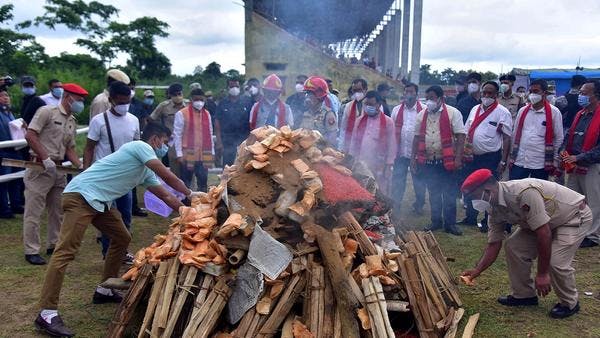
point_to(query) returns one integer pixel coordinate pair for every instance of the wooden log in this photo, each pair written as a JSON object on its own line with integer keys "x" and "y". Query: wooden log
{"x": 203, "y": 302}
{"x": 126, "y": 309}
{"x": 439, "y": 307}
{"x": 355, "y": 229}
{"x": 237, "y": 257}
{"x": 420, "y": 311}
{"x": 375, "y": 317}
{"x": 169, "y": 289}
{"x": 185, "y": 290}
{"x": 328, "y": 308}
{"x": 317, "y": 302}
{"x": 159, "y": 281}
{"x": 397, "y": 306}
{"x": 382, "y": 306}
{"x": 458, "y": 314}
{"x": 337, "y": 324}
{"x": 287, "y": 329}
{"x": 283, "y": 307}
{"x": 345, "y": 299}
{"x": 470, "y": 328}
{"x": 223, "y": 292}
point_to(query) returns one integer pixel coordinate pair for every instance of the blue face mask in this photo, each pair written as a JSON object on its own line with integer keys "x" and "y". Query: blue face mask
{"x": 148, "y": 101}
{"x": 583, "y": 100}
{"x": 28, "y": 90}
{"x": 162, "y": 151}
{"x": 370, "y": 110}
{"x": 57, "y": 92}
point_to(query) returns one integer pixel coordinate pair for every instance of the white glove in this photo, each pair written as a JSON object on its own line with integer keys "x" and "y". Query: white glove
{"x": 194, "y": 194}
{"x": 49, "y": 165}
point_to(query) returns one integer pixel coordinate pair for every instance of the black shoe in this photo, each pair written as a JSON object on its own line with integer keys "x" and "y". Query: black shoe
{"x": 50, "y": 251}
{"x": 417, "y": 210}
{"x": 512, "y": 301}
{"x": 588, "y": 243}
{"x": 484, "y": 228}
{"x": 18, "y": 210}
{"x": 560, "y": 311}
{"x": 453, "y": 229}
{"x": 7, "y": 216}
{"x": 433, "y": 227}
{"x": 55, "y": 328}
{"x": 139, "y": 212}
{"x": 35, "y": 259}
{"x": 468, "y": 221}
{"x": 101, "y": 299}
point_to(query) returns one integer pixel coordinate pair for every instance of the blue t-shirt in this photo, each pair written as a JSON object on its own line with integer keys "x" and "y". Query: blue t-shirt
{"x": 116, "y": 174}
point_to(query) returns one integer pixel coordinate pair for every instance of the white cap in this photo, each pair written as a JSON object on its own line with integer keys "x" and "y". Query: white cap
{"x": 118, "y": 75}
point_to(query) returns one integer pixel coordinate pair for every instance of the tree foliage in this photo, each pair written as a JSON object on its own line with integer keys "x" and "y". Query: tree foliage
{"x": 449, "y": 75}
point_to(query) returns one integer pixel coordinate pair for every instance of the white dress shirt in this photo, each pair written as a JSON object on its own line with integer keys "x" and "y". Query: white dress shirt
{"x": 123, "y": 129}
{"x": 407, "y": 134}
{"x": 50, "y": 99}
{"x": 178, "y": 125}
{"x": 532, "y": 146}
{"x": 487, "y": 137}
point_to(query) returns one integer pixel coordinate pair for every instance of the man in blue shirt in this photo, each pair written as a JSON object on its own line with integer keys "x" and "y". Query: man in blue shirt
{"x": 88, "y": 198}
{"x": 9, "y": 191}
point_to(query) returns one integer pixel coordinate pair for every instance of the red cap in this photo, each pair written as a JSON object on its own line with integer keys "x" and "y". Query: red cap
{"x": 74, "y": 89}
{"x": 475, "y": 180}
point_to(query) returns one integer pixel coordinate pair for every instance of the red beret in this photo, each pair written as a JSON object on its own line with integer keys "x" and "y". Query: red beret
{"x": 475, "y": 180}
{"x": 75, "y": 89}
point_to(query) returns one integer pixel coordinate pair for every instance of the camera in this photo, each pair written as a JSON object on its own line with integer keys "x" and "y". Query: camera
{"x": 8, "y": 81}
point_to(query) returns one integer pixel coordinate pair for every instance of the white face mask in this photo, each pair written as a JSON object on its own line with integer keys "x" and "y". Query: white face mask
{"x": 198, "y": 105}
{"x": 535, "y": 98}
{"x": 504, "y": 88}
{"x": 358, "y": 96}
{"x": 234, "y": 91}
{"x": 121, "y": 109}
{"x": 487, "y": 101}
{"x": 482, "y": 205}
{"x": 299, "y": 88}
{"x": 432, "y": 106}
{"x": 132, "y": 93}
{"x": 253, "y": 90}
{"x": 473, "y": 87}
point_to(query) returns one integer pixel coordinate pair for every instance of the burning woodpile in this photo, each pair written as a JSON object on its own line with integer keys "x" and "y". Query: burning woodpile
{"x": 289, "y": 244}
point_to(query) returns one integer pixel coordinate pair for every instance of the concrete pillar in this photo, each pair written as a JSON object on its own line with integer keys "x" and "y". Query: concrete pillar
{"x": 415, "y": 62}
{"x": 397, "y": 20}
{"x": 405, "y": 38}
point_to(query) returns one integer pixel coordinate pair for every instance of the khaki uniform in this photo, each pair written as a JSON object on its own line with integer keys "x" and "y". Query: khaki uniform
{"x": 165, "y": 114}
{"x": 56, "y": 131}
{"x": 513, "y": 103}
{"x": 324, "y": 121}
{"x": 100, "y": 104}
{"x": 532, "y": 203}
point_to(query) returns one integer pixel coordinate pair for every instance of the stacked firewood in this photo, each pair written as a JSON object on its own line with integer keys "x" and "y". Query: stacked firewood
{"x": 274, "y": 250}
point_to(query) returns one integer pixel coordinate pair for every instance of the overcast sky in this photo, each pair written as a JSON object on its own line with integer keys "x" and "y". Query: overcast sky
{"x": 494, "y": 35}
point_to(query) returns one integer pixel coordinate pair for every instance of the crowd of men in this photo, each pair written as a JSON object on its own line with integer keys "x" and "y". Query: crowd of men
{"x": 488, "y": 129}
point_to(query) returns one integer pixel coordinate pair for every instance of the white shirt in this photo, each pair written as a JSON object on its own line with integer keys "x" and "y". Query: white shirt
{"x": 178, "y": 125}
{"x": 407, "y": 134}
{"x": 433, "y": 137}
{"x": 487, "y": 137}
{"x": 50, "y": 99}
{"x": 124, "y": 129}
{"x": 532, "y": 146}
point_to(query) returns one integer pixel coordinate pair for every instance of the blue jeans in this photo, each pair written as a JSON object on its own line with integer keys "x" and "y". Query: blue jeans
{"x": 124, "y": 206}
{"x": 10, "y": 192}
{"x": 517, "y": 173}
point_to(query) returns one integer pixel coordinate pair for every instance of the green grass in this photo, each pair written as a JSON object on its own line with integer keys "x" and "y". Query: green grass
{"x": 20, "y": 284}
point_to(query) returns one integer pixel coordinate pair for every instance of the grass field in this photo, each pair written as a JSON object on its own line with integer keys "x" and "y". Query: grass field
{"x": 20, "y": 284}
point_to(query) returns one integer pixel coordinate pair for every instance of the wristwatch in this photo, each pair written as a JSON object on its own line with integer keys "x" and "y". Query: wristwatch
{"x": 503, "y": 162}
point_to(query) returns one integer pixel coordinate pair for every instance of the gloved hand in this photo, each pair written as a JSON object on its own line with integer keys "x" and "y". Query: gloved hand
{"x": 49, "y": 165}
{"x": 195, "y": 194}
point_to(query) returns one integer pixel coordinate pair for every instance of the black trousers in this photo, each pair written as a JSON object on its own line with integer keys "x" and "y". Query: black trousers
{"x": 442, "y": 187}
{"x": 401, "y": 168}
{"x": 517, "y": 173}
{"x": 484, "y": 161}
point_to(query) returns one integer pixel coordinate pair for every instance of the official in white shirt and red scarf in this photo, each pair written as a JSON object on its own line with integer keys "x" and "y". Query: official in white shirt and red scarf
{"x": 537, "y": 136}
{"x": 404, "y": 116}
{"x": 270, "y": 109}
{"x": 489, "y": 128}
{"x": 192, "y": 135}
{"x": 374, "y": 140}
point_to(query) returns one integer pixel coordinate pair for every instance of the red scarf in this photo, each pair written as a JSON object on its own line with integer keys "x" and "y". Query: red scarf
{"x": 400, "y": 122}
{"x": 360, "y": 133}
{"x": 446, "y": 137}
{"x": 548, "y": 140}
{"x": 197, "y": 135}
{"x": 590, "y": 139}
{"x": 468, "y": 152}
{"x": 350, "y": 125}
{"x": 280, "y": 114}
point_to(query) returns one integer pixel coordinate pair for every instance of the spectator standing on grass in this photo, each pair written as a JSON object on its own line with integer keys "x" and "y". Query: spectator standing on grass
{"x": 552, "y": 221}
{"x": 252, "y": 90}
{"x": 437, "y": 157}
{"x": 164, "y": 114}
{"x": 383, "y": 89}
{"x": 507, "y": 97}
{"x": 192, "y": 135}
{"x": 101, "y": 103}
{"x": 537, "y": 137}
{"x": 88, "y": 199}
{"x": 51, "y": 137}
{"x": 28, "y": 89}
{"x": 404, "y": 116}
{"x": 270, "y": 109}
{"x": 466, "y": 104}
{"x": 582, "y": 146}
{"x": 10, "y": 192}
{"x": 296, "y": 100}
{"x": 29, "y": 108}
{"x": 108, "y": 132}
{"x": 373, "y": 140}
{"x": 351, "y": 111}
{"x": 231, "y": 122}
{"x": 572, "y": 106}
{"x": 489, "y": 128}
{"x": 52, "y": 98}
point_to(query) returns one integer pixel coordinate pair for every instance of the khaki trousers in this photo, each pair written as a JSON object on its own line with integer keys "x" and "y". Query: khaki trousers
{"x": 42, "y": 190}
{"x": 521, "y": 250}
{"x": 589, "y": 185}
{"x": 77, "y": 215}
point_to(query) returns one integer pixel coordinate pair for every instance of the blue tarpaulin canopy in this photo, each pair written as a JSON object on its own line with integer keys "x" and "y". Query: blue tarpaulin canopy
{"x": 562, "y": 77}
